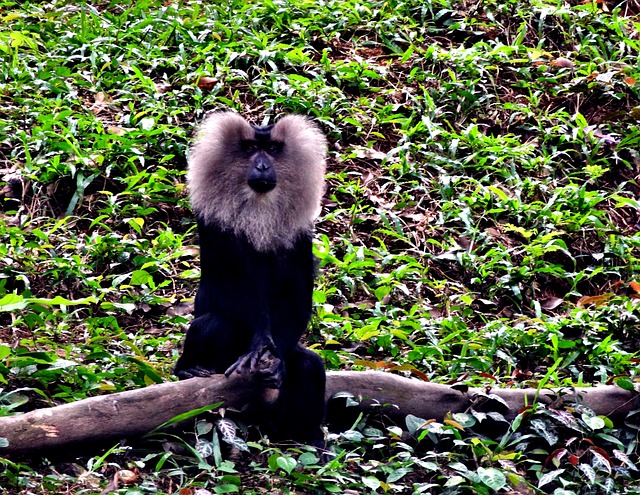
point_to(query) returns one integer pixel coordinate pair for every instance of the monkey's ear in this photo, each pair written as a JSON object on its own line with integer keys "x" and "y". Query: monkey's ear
{"x": 303, "y": 163}
{"x": 303, "y": 138}
{"x": 213, "y": 158}
{"x": 211, "y": 149}
{"x": 218, "y": 127}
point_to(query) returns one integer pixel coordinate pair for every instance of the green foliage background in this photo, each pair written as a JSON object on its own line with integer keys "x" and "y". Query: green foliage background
{"x": 480, "y": 225}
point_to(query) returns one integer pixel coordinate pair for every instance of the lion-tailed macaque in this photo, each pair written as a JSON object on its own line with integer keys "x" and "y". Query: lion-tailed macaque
{"x": 256, "y": 192}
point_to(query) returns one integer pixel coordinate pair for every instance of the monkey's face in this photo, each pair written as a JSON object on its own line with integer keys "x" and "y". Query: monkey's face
{"x": 262, "y": 153}
{"x": 264, "y": 183}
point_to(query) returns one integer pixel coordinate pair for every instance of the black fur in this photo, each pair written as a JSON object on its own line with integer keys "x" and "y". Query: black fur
{"x": 254, "y": 302}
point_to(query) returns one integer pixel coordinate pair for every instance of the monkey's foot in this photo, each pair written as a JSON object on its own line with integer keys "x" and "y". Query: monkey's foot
{"x": 268, "y": 368}
{"x": 196, "y": 371}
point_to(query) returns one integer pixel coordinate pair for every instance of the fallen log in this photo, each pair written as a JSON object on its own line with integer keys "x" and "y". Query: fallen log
{"x": 434, "y": 401}
{"x": 136, "y": 412}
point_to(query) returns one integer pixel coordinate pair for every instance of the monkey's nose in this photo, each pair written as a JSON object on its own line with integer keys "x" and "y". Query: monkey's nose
{"x": 262, "y": 178}
{"x": 262, "y": 164}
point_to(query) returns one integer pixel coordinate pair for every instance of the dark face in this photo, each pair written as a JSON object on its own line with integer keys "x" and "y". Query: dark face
{"x": 261, "y": 154}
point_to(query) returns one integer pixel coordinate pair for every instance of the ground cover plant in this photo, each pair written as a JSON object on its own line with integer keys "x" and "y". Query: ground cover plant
{"x": 480, "y": 227}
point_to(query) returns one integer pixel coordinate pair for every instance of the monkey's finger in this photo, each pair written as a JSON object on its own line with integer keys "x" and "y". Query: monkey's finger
{"x": 256, "y": 359}
{"x": 196, "y": 371}
{"x": 237, "y": 366}
{"x": 271, "y": 349}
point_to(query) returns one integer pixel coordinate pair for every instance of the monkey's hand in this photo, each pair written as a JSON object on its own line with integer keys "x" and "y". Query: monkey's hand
{"x": 271, "y": 370}
{"x": 263, "y": 362}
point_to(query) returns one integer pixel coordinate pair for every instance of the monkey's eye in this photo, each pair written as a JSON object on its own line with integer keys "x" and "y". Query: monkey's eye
{"x": 249, "y": 147}
{"x": 273, "y": 148}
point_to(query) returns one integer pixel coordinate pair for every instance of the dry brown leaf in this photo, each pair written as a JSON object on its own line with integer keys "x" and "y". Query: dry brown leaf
{"x": 100, "y": 102}
{"x": 607, "y": 77}
{"x": 127, "y": 477}
{"x": 551, "y": 302}
{"x": 206, "y": 82}
{"x": 465, "y": 242}
{"x": 600, "y": 134}
{"x": 112, "y": 486}
{"x": 366, "y": 178}
{"x": 163, "y": 88}
{"x": 563, "y": 62}
{"x": 585, "y": 301}
{"x": 202, "y": 491}
{"x": 180, "y": 309}
{"x": 118, "y": 131}
{"x": 453, "y": 423}
{"x": 368, "y": 153}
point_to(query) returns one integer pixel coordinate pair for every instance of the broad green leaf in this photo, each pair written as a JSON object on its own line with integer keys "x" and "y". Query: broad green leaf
{"x": 371, "y": 482}
{"x": 308, "y": 459}
{"x": 226, "y": 488}
{"x": 414, "y": 423}
{"x": 5, "y": 350}
{"x": 593, "y": 422}
{"x": 398, "y": 474}
{"x": 545, "y": 431}
{"x": 12, "y": 302}
{"x": 493, "y": 478}
{"x": 588, "y": 472}
{"x": 624, "y": 383}
{"x": 140, "y": 277}
{"x": 287, "y": 463}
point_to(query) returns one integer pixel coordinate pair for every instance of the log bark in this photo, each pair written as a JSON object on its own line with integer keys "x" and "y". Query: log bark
{"x": 136, "y": 412}
{"x": 433, "y": 401}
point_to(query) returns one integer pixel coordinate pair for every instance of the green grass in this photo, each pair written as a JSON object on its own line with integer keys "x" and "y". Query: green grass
{"x": 482, "y": 180}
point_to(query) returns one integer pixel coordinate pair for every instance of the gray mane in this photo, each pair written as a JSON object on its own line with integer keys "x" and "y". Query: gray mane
{"x": 218, "y": 186}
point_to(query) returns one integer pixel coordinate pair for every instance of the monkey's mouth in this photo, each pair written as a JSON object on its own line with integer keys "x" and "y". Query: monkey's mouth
{"x": 262, "y": 185}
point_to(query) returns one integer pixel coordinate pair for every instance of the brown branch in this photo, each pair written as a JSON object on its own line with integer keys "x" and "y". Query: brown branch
{"x": 431, "y": 400}
{"x": 136, "y": 412}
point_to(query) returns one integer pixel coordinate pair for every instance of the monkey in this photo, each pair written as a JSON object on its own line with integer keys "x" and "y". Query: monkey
{"x": 256, "y": 192}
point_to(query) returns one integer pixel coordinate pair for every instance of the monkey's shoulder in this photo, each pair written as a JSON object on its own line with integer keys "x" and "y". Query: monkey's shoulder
{"x": 226, "y": 246}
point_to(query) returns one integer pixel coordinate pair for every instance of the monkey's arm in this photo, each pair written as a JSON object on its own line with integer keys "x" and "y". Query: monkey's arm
{"x": 261, "y": 348}
{"x": 288, "y": 289}
{"x": 235, "y": 287}
{"x": 285, "y": 290}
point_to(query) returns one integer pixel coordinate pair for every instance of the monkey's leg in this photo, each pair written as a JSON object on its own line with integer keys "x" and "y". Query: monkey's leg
{"x": 211, "y": 345}
{"x": 299, "y": 413}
